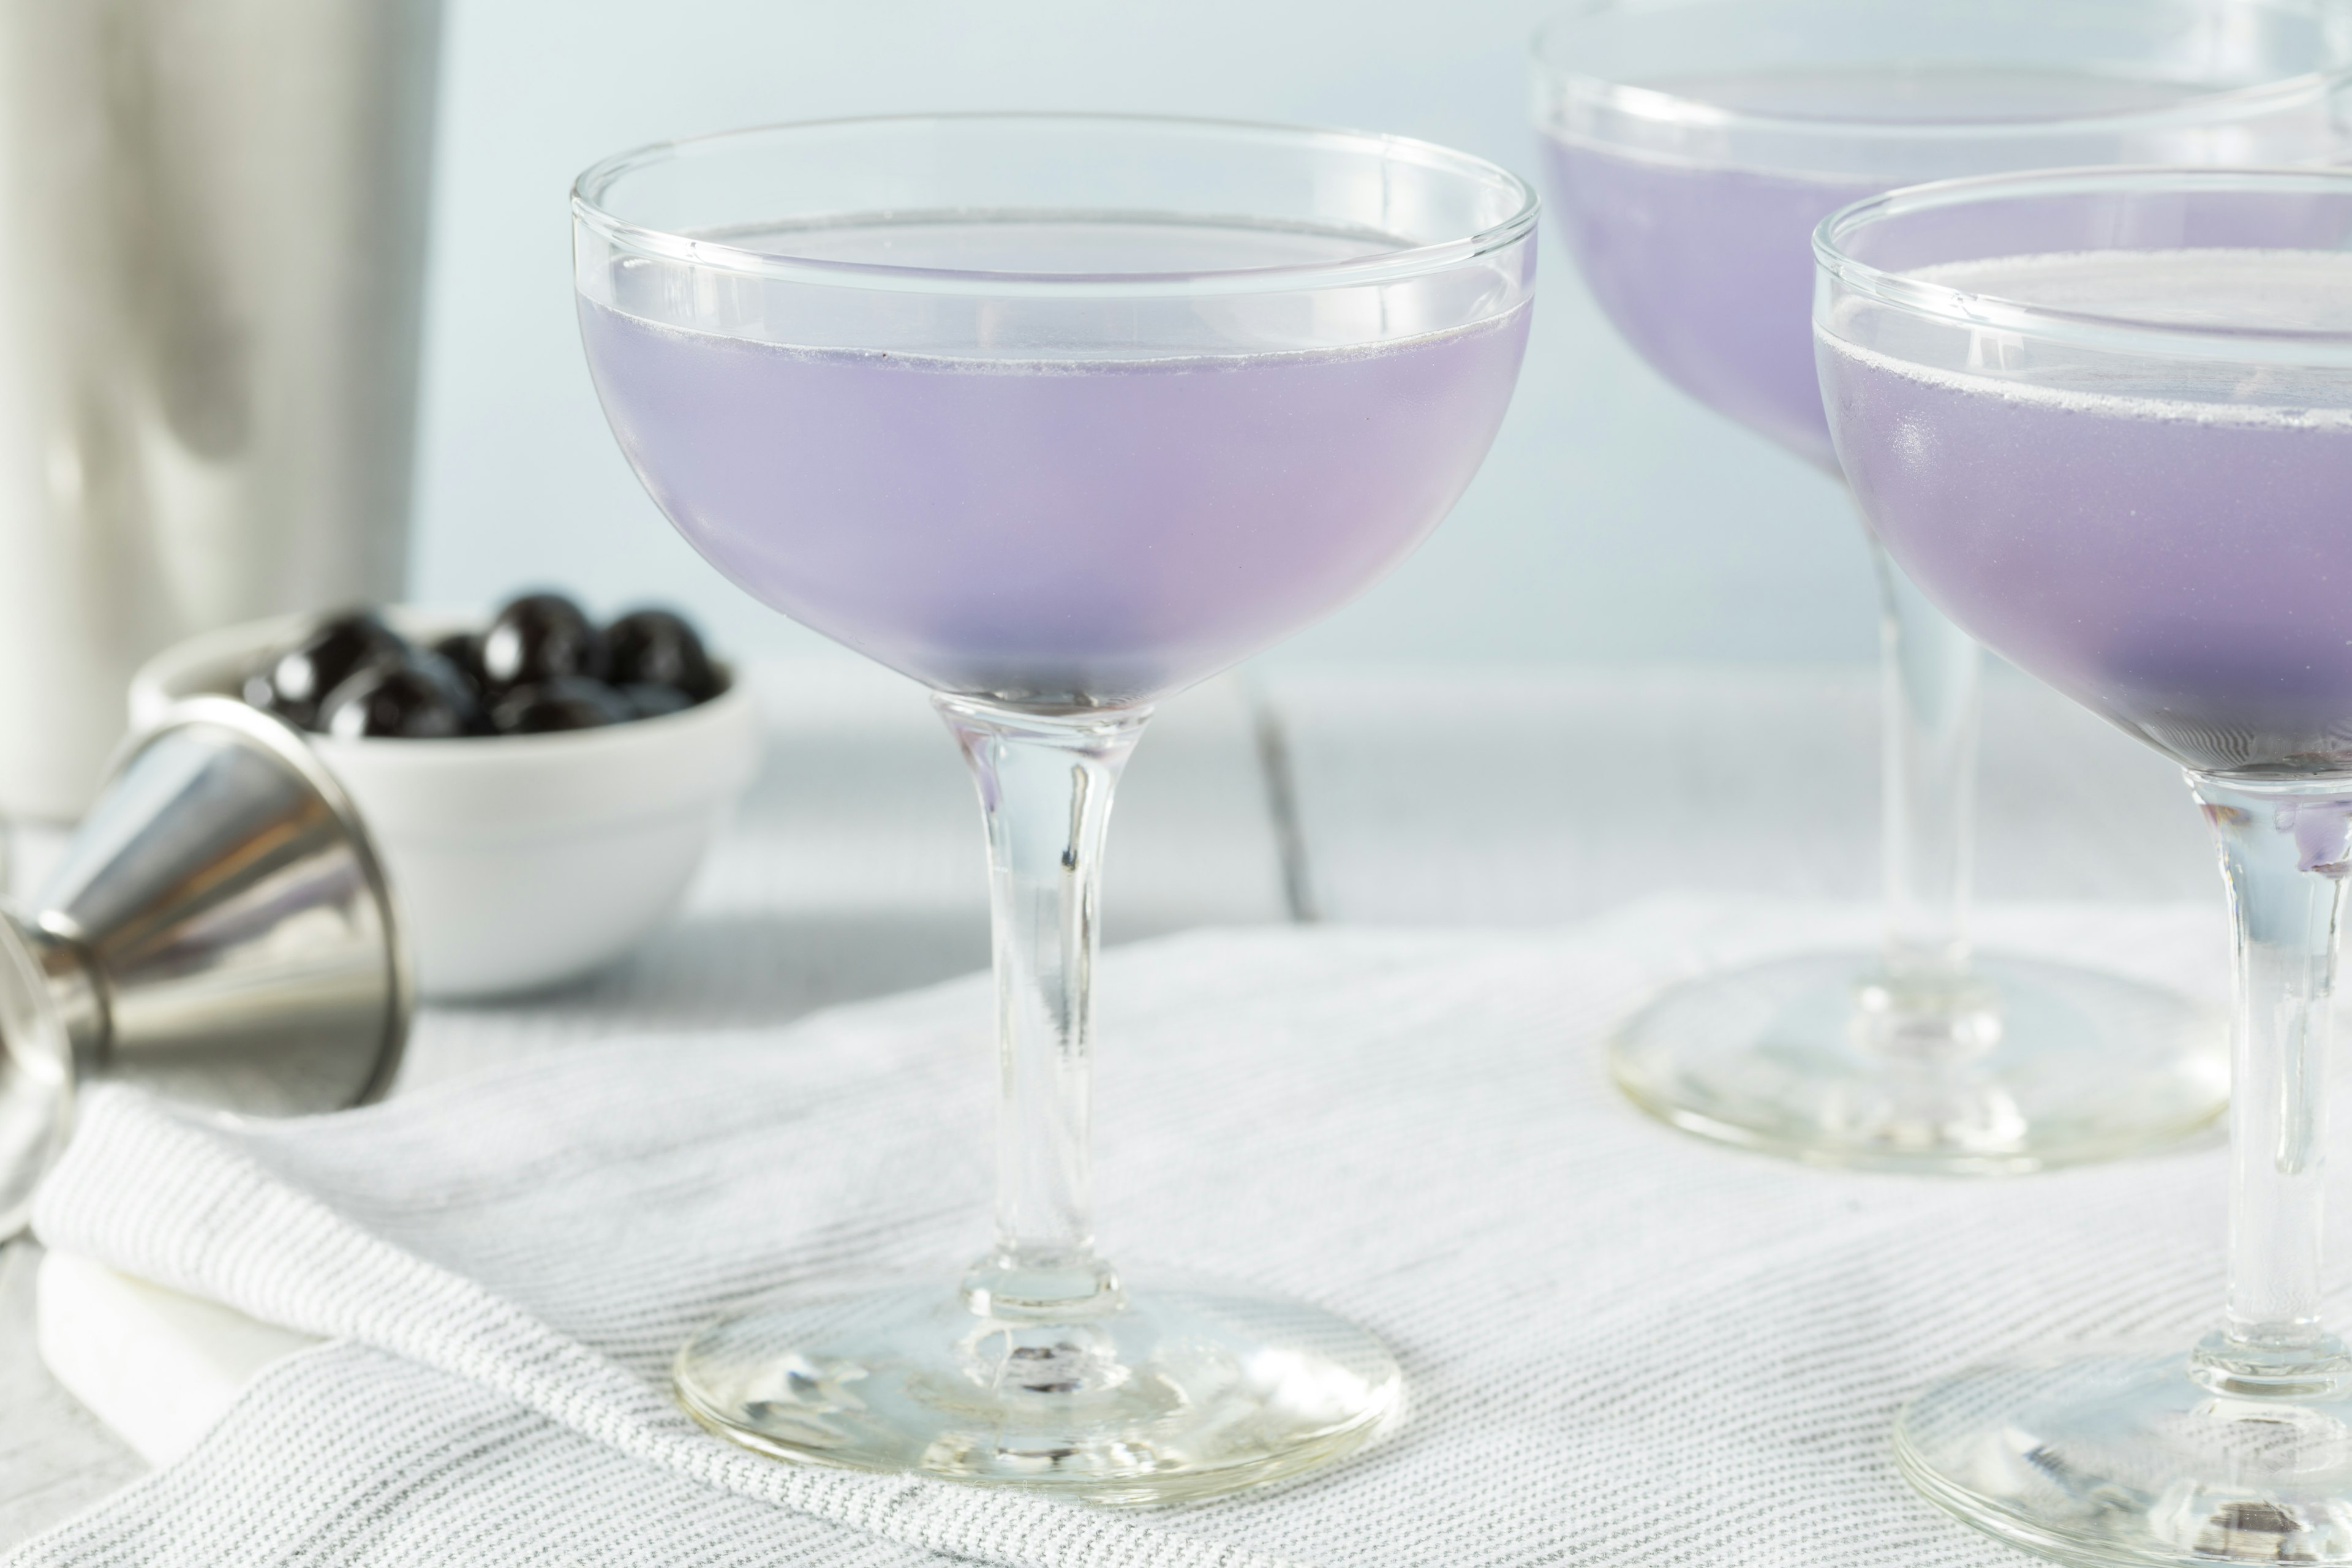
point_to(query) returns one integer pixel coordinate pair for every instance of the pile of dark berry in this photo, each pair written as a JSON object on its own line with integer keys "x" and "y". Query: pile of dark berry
{"x": 540, "y": 665}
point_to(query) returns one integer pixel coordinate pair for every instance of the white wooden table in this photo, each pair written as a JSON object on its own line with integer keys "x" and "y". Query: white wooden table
{"x": 1441, "y": 798}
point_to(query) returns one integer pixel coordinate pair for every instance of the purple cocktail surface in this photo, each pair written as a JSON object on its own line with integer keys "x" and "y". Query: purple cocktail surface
{"x": 1708, "y": 274}
{"x": 2174, "y": 557}
{"x": 1059, "y": 531}
{"x": 1706, "y": 267}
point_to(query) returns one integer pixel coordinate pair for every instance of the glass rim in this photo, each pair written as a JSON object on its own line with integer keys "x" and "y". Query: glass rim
{"x": 590, "y": 189}
{"x": 2092, "y": 329}
{"x": 1664, "y": 107}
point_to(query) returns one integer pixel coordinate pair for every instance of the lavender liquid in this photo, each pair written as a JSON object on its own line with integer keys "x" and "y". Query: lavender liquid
{"x": 1055, "y": 531}
{"x": 1706, "y": 269}
{"x": 2179, "y": 562}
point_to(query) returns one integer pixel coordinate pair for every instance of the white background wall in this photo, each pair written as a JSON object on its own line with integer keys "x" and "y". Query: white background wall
{"x": 1613, "y": 523}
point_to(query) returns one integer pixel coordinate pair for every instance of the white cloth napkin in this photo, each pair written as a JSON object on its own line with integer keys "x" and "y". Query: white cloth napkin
{"x": 1622, "y": 1345}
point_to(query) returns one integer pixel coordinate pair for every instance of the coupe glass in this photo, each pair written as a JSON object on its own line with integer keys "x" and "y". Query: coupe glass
{"x": 2104, "y": 419}
{"x": 1057, "y": 415}
{"x": 1691, "y": 148}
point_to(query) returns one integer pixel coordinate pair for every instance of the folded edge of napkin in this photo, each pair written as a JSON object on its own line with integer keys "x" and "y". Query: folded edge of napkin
{"x": 161, "y": 1195}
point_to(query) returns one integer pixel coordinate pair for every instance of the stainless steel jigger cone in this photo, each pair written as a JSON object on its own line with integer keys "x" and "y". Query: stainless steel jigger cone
{"x": 219, "y": 930}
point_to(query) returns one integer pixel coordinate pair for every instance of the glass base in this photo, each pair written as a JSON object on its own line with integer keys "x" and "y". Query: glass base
{"x": 1175, "y": 1391}
{"x": 2020, "y": 1066}
{"x": 2122, "y": 1459}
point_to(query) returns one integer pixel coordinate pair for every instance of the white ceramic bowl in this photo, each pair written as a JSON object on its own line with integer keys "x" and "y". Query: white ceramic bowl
{"x": 518, "y": 861}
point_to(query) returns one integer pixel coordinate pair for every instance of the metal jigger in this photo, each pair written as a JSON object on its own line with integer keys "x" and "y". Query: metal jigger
{"x": 220, "y": 931}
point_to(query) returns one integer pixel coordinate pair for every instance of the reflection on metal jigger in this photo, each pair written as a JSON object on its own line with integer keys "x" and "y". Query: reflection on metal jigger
{"x": 220, "y": 931}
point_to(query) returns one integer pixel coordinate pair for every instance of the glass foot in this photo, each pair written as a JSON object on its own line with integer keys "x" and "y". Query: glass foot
{"x": 1176, "y": 1391}
{"x": 2131, "y": 1459}
{"x": 2022, "y": 1066}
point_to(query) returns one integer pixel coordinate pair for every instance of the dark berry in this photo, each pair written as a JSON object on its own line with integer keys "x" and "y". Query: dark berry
{"x": 419, "y": 698}
{"x": 648, "y": 700}
{"x": 296, "y": 684}
{"x": 260, "y": 691}
{"x": 464, "y": 652}
{"x": 566, "y": 702}
{"x": 655, "y": 647}
{"x": 540, "y": 637}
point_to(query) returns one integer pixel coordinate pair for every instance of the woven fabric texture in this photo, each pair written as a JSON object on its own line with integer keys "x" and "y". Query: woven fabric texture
{"x": 1623, "y": 1346}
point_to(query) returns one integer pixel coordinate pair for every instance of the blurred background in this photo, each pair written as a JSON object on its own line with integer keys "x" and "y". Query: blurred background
{"x": 1615, "y": 522}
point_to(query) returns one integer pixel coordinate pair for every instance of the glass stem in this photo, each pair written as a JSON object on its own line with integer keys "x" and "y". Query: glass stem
{"x": 1046, "y": 785}
{"x": 2283, "y": 855}
{"x": 1931, "y": 705}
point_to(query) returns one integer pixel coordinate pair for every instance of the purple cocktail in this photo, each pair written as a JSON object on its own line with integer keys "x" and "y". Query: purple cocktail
{"x": 1707, "y": 273}
{"x": 1690, "y": 146}
{"x": 1057, "y": 415}
{"x": 1064, "y": 532}
{"x": 2200, "y": 594}
{"x": 1706, "y": 265}
{"x": 2105, "y": 420}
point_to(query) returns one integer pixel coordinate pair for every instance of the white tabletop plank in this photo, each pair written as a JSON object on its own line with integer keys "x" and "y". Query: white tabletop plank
{"x": 1529, "y": 798}
{"x": 55, "y": 1458}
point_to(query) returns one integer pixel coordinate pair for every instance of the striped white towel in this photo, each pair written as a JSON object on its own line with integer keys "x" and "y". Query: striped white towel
{"x": 1623, "y": 1346}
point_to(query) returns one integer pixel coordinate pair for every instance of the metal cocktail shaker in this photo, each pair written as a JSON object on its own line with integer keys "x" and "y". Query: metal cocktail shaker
{"x": 210, "y": 292}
